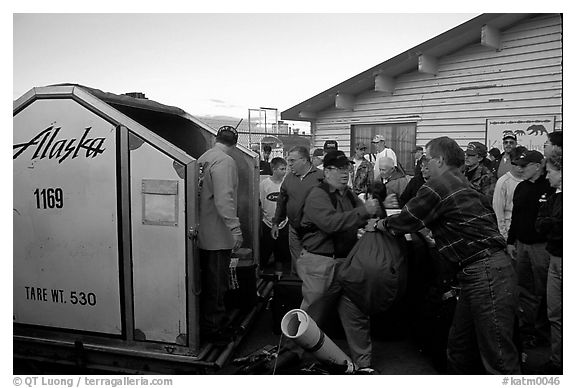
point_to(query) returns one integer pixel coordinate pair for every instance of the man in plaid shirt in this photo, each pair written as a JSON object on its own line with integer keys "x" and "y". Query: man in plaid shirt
{"x": 466, "y": 234}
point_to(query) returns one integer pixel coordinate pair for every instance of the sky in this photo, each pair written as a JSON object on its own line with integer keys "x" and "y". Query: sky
{"x": 213, "y": 63}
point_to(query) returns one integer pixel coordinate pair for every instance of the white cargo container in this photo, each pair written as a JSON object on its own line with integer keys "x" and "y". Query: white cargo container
{"x": 105, "y": 214}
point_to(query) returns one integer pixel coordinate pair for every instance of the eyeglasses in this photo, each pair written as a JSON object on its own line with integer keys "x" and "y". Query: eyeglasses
{"x": 362, "y": 149}
{"x": 340, "y": 169}
{"x": 509, "y": 142}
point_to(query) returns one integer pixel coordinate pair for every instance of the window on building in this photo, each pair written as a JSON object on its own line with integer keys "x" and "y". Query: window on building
{"x": 401, "y": 137}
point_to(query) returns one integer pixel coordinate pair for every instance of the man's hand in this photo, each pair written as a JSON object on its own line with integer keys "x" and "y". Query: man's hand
{"x": 238, "y": 240}
{"x": 511, "y": 251}
{"x": 372, "y": 206}
{"x": 391, "y": 201}
{"x": 371, "y": 225}
{"x": 274, "y": 232}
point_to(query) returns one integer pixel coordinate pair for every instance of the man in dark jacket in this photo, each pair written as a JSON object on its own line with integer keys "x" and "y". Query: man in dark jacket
{"x": 301, "y": 177}
{"x": 528, "y": 248}
{"x": 362, "y": 173}
{"x": 330, "y": 221}
{"x": 549, "y": 223}
{"x": 415, "y": 183}
{"x": 477, "y": 173}
{"x": 418, "y": 155}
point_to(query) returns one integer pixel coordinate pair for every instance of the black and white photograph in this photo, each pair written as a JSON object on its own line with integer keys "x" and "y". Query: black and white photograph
{"x": 290, "y": 191}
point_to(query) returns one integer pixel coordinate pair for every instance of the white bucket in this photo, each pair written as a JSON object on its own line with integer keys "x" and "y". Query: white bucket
{"x": 298, "y": 326}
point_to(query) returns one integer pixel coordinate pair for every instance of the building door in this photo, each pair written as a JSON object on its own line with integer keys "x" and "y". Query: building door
{"x": 400, "y": 137}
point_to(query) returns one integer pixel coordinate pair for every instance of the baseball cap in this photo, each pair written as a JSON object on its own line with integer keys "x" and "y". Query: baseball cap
{"x": 509, "y": 135}
{"x": 476, "y": 148}
{"x": 330, "y": 145}
{"x": 228, "y": 134}
{"x": 361, "y": 145}
{"x": 527, "y": 157}
{"x": 336, "y": 159}
{"x": 378, "y": 139}
{"x": 318, "y": 152}
{"x": 495, "y": 152}
{"x": 417, "y": 148}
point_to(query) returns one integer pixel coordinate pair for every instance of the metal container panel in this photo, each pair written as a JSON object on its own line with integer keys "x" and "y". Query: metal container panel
{"x": 66, "y": 260}
{"x": 158, "y": 216}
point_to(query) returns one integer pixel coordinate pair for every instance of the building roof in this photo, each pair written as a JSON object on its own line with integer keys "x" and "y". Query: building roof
{"x": 441, "y": 45}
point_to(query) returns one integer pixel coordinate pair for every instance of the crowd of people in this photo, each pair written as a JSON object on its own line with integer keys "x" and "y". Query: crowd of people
{"x": 495, "y": 216}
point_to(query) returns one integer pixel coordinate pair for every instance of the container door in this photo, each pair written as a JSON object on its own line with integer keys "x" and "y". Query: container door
{"x": 158, "y": 216}
{"x": 65, "y": 215}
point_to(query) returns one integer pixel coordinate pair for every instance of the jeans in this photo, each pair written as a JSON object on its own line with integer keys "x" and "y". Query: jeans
{"x": 480, "y": 338}
{"x": 214, "y": 273}
{"x": 555, "y": 309}
{"x": 532, "y": 269}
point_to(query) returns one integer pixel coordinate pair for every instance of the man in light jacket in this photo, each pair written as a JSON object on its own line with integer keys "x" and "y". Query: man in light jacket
{"x": 219, "y": 230}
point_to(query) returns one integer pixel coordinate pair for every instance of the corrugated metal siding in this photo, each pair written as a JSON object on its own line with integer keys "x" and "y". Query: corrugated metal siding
{"x": 475, "y": 83}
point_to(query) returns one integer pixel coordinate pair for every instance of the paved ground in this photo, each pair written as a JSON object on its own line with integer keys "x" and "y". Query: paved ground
{"x": 396, "y": 351}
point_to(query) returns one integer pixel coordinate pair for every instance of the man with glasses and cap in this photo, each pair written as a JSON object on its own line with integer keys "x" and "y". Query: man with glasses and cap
{"x": 331, "y": 217}
{"x": 219, "y": 232}
{"x": 477, "y": 173}
{"x": 503, "y": 163}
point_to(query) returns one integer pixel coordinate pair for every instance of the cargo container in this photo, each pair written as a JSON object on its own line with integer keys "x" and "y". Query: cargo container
{"x": 105, "y": 214}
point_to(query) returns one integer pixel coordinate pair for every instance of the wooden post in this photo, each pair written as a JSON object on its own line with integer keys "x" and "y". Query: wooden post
{"x": 427, "y": 64}
{"x": 344, "y": 101}
{"x": 384, "y": 83}
{"x": 490, "y": 37}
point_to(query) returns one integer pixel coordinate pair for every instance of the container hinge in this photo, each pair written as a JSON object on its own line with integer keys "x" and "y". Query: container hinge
{"x": 193, "y": 232}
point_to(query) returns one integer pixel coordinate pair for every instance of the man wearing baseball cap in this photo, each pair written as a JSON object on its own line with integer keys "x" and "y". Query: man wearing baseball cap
{"x": 331, "y": 217}
{"x": 219, "y": 232}
{"x": 477, "y": 173}
{"x": 503, "y": 163}
{"x": 363, "y": 172}
{"x": 317, "y": 157}
{"x": 528, "y": 248}
{"x": 382, "y": 151}
{"x": 330, "y": 145}
{"x": 418, "y": 153}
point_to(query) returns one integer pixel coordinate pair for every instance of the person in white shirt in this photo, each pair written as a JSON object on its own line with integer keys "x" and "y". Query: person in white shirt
{"x": 381, "y": 152}
{"x": 504, "y": 193}
{"x": 269, "y": 191}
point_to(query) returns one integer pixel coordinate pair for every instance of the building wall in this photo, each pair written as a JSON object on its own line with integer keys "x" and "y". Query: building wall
{"x": 521, "y": 80}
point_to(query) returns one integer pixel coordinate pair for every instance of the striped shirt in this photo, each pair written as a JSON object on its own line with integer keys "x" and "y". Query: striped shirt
{"x": 461, "y": 219}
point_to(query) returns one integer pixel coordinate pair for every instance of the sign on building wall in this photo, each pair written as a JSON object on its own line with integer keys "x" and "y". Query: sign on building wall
{"x": 530, "y": 132}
